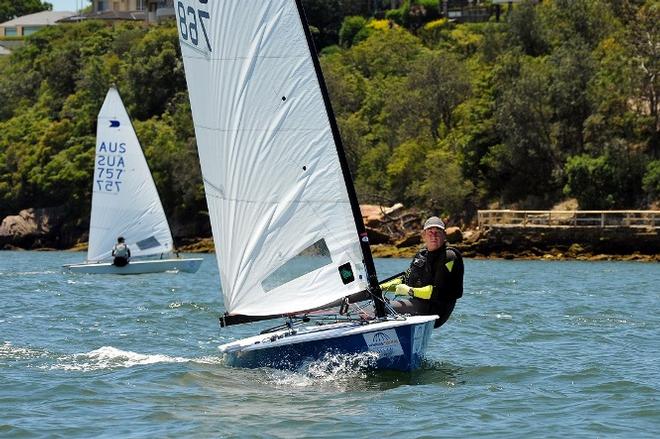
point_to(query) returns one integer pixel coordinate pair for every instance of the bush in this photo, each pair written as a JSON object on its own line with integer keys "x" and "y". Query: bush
{"x": 651, "y": 180}
{"x": 350, "y": 29}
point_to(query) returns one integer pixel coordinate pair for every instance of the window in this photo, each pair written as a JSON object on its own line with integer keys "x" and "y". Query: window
{"x": 29, "y": 30}
{"x": 100, "y": 6}
{"x": 312, "y": 258}
{"x": 10, "y": 32}
{"x": 148, "y": 243}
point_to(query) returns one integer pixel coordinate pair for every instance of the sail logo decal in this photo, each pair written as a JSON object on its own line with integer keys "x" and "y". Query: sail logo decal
{"x": 346, "y": 273}
{"x": 114, "y": 124}
{"x": 385, "y": 343}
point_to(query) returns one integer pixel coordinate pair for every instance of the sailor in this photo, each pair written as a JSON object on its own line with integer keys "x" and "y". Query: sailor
{"x": 121, "y": 252}
{"x": 434, "y": 280}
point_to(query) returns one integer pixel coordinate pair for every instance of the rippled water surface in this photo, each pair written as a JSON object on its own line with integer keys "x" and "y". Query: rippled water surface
{"x": 534, "y": 349}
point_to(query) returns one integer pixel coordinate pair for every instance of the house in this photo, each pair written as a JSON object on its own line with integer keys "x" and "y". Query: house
{"x": 150, "y": 10}
{"x": 29, "y": 24}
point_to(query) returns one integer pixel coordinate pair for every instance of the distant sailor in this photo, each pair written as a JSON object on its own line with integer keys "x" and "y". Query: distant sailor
{"x": 121, "y": 252}
{"x": 434, "y": 280}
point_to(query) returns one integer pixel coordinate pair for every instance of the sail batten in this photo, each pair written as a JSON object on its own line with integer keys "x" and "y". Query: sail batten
{"x": 276, "y": 187}
{"x": 125, "y": 201}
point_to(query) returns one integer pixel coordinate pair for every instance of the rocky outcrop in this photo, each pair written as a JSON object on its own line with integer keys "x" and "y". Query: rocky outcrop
{"x": 32, "y": 228}
{"x": 561, "y": 242}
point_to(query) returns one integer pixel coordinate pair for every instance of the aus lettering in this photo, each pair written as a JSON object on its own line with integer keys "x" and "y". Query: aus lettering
{"x": 110, "y": 161}
{"x": 112, "y": 147}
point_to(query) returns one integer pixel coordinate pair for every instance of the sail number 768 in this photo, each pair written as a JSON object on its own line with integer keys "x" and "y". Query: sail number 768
{"x": 190, "y": 21}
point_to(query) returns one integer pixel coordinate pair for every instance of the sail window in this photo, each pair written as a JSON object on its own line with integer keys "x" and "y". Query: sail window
{"x": 148, "y": 243}
{"x": 310, "y": 259}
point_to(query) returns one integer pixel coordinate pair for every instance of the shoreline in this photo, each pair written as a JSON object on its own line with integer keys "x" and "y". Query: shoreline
{"x": 386, "y": 251}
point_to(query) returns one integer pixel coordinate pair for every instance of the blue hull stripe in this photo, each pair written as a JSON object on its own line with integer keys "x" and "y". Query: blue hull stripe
{"x": 399, "y": 348}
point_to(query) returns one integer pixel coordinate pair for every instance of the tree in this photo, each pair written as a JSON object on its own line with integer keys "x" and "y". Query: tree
{"x": 522, "y": 167}
{"x": 572, "y": 69}
{"x": 644, "y": 40}
{"x": 350, "y": 29}
{"x": 651, "y": 180}
{"x": 443, "y": 187}
{"x": 609, "y": 181}
{"x": 10, "y": 9}
{"x": 526, "y": 30}
{"x": 439, "y": 82}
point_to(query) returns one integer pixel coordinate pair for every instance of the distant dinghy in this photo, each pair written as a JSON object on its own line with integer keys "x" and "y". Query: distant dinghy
{"x": 286, "y": 223}
{"x": 125, "y": 203}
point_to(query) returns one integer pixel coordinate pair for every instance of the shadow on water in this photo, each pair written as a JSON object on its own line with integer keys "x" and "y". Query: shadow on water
{"x": 430, "y": 373}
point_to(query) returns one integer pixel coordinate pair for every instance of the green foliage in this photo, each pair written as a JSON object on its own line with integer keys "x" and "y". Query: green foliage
{"x": 527, "y": 31}
{"x": 388, "y": 52}
{"x": 52, "y": 89}
{"x": 353, "y": 30}
{"x": 439, "y": 83}
{"x": 521, "y": 167}
{"x": 17, "y": 8}
{"x": 651, "y": 180}
{"x": 559, "y": 100}
{"x": 327, "y": 16}
{"x": 605, "y": 182}
{"x": 413, "y": 14}
{"x": 443, "y": 186}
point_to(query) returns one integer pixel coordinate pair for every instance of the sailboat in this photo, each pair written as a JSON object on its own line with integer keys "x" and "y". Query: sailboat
{"x": 125, "y": 203}
{"x": 289, "y": 236}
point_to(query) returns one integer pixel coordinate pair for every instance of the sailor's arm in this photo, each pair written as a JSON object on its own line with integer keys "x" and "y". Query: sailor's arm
{"x": 424, "y": 292}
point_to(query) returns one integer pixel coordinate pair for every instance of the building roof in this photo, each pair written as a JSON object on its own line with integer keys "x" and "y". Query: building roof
{"x": 43, "y": 18}
{"x": 107, "y": 15}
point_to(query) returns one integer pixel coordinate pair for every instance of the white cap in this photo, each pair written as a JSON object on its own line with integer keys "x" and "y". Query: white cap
{"x": 434, "y": 221}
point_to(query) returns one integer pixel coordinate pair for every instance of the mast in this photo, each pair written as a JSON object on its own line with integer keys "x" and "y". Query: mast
{"x": 372, "y": 278}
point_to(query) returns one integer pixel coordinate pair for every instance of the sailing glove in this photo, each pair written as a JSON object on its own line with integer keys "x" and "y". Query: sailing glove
{"x": 391, "y": 285}
{"x": 420, "y": 293}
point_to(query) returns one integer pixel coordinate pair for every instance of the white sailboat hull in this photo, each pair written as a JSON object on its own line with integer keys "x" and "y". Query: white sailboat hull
{"x": 397, "y": 344}
{"x": 189, "y": 265}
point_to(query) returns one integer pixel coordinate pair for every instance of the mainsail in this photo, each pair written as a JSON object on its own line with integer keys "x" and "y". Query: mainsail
{"x": 283, "y": 223}
{"x": 125, "y": 201}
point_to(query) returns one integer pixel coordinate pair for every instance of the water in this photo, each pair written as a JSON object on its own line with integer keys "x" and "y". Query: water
{"x": 534, "y": 349}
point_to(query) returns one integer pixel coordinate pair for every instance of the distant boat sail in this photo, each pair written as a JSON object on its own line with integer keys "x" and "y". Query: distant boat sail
{"x": 125, "y": 201}
{"x": 286, "y": 224}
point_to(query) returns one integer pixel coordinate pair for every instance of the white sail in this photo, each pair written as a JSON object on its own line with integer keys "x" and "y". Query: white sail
{"x": 125, "y": 201}
{"x": 274, "y": 185}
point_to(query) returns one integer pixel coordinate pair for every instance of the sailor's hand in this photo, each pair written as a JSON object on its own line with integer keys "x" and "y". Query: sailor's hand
{"x": 391, "y": 285}
{"x": 403, "y": 290}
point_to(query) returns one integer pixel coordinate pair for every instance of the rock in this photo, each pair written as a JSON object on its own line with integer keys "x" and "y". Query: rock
{"x": 199, "y": 245}
{"x": 25, "y": 223}
{"x": 471, "y": 235}
{"x": 454, "y": 235}
{"x": 575, "y": 250}
{"x": 389, "y": 251}
{"x": 412, "y": 239}
{"x": 373, "y": 215}
{"x": 31, "y": 228}
{"x": 377, "y": 237}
